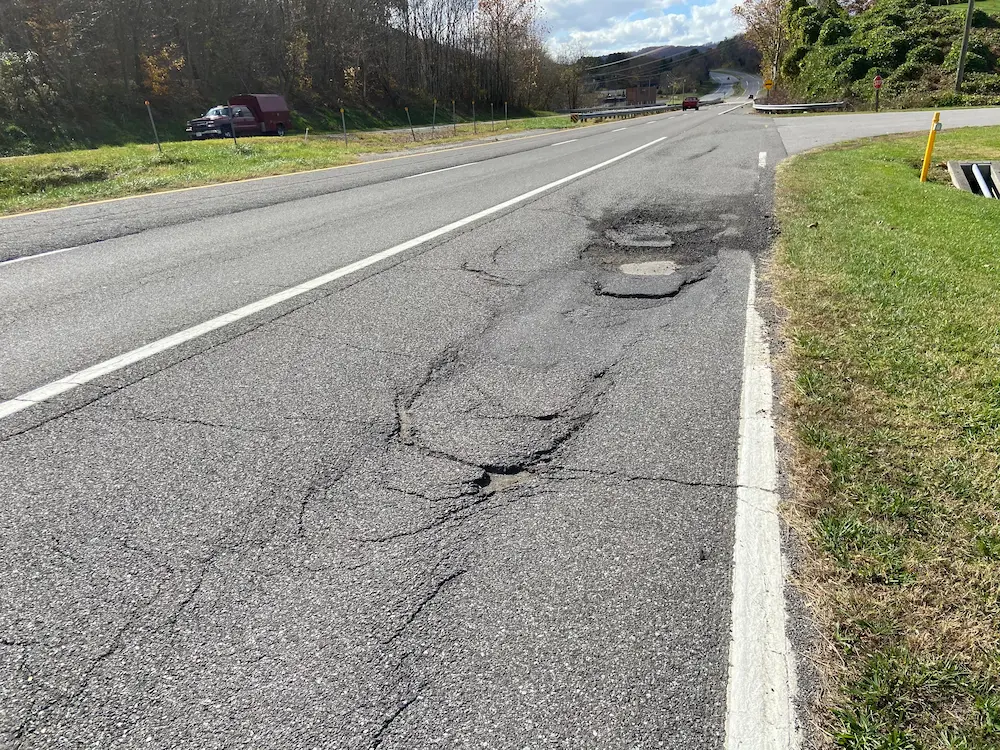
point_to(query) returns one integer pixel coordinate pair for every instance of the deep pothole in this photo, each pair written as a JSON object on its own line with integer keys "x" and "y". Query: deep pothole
{"x": 649, "y": 268}
{"x": 655, "y": 253}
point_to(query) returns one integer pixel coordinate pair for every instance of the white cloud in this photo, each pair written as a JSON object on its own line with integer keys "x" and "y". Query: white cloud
{"x": 602, "y": 26}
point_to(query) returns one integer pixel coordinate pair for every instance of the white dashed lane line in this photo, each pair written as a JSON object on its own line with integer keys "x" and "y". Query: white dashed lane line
{"x": 82, "y": 377}
{"x": 23, "y": 258}
{"x": 435, "y": 171}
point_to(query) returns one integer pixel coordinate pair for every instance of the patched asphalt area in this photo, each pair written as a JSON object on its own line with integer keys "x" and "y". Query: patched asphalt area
{"x": 473, "y": 499}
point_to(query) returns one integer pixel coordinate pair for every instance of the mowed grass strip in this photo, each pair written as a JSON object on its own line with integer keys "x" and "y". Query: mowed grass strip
{"x": 988, "y": 6}
{"x": 59, "y": 179}
{"x": 891, "y": 404}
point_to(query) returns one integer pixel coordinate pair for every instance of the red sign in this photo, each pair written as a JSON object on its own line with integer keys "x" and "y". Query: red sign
{"x": 878, "y": 82}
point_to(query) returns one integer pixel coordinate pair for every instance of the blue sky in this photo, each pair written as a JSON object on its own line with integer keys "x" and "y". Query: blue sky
{"x": 601, "y": 26}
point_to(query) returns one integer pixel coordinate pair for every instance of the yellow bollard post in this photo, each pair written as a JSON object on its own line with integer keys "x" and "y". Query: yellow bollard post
{"x": 935, "y": 127}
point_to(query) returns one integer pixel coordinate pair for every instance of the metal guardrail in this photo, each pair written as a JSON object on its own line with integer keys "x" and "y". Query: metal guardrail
{"x": 796, "y": 107}
{"x": 626, "y": 112}
{"x": 610, "y": 114}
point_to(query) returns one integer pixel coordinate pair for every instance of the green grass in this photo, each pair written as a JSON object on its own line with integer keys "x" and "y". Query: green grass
{"x": 891, "y": 395}
{"x": 989, "y": 6}
{"x": 63, "y": 178}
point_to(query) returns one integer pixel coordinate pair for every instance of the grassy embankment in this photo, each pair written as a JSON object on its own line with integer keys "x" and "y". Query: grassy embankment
{"x": 987, "y": 6}
{"x": 891, "y": 394}
{"x": 59, "y": 179}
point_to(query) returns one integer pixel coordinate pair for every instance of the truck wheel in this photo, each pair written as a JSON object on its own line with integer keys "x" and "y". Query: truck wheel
{"x": 281, "y": 130}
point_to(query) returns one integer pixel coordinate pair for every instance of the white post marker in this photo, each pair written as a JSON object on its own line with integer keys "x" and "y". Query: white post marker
{"x": 759, "y": 712}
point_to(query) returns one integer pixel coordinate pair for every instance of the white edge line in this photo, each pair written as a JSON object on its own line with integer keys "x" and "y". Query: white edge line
{"x": 759, "y": 712}
{"x": 445, "y": 169}
{"x": 68, "y": 383}
{"x": 12, "y": 261}
{"x": 731, "y": 109}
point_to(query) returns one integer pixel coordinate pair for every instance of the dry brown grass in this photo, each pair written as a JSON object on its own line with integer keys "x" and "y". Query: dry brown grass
{"x": 890, "y": 386}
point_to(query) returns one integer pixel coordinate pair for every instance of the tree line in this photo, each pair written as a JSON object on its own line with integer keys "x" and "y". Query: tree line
{"x": 76, "y": 72}
{"x": 68, "y": 66}
{"x": 829, "y": 50}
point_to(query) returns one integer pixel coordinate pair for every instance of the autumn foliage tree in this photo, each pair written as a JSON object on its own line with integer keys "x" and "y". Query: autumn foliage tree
{"x": 72, "y": 68}
{"x": 764, "y": 27}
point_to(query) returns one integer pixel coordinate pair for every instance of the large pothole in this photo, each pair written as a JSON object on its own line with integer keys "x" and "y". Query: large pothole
{"x": 653, "y": 253}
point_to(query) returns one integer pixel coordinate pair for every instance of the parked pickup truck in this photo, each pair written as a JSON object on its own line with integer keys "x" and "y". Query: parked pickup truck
{"x": 247, "y": 114}
{"x": 691, "y": 103}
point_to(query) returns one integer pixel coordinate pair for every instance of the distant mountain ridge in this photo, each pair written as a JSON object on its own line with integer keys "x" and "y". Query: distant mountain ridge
{"x": 650, "y": 53}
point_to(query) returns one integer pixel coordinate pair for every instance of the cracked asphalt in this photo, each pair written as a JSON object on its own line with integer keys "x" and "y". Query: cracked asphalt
{"x": 478, "y": 496}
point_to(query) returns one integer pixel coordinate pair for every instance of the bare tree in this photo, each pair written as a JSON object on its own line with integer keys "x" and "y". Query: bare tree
{"x": 764, "y": 28}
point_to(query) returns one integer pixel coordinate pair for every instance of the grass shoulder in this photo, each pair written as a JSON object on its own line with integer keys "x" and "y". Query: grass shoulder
{"x": 890, "y": 292}
{"x": 64, "y": 178}
{"x": 987, "y": 6}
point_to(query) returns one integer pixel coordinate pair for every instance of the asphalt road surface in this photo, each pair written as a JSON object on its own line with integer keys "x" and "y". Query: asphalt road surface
{"x": 727, "y": 79}
{"x": 479, "y": 493}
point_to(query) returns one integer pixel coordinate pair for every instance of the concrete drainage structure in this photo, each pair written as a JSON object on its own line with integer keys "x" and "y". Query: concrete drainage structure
{"x": 979, "y": 178}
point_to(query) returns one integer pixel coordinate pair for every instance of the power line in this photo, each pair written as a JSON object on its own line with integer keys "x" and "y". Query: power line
{"x": 634, "y": 57}
{"x": 669, "y": 62}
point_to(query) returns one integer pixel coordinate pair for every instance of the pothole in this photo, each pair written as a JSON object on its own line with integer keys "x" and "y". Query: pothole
{"x": 493, "y": 481}
{"x": 649, "y": 268}
{"x": 654, "y": 253}
{"x": 640, "y": 235}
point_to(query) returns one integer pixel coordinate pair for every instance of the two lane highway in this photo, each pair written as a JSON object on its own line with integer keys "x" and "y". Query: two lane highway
{"x": 479, "y": 493}
{"x": 205, "y": 253}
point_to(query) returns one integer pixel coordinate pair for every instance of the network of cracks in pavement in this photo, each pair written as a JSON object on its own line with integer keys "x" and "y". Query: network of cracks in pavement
{"x": 386, "y": 568}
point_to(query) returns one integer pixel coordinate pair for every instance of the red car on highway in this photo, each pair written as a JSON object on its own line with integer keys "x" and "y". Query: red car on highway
{"x": 690, "y": 103}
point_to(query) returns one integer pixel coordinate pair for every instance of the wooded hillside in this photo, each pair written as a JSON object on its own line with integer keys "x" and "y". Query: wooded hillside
{"x": 79, "y": 70}
{"x": 825, "y": 50}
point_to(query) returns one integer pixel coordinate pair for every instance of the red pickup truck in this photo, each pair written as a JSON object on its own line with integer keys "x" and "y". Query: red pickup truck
{"x": 247, "y": 114}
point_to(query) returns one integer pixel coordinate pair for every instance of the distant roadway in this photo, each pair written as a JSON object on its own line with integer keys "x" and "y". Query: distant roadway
{"x": 438, "y": 474}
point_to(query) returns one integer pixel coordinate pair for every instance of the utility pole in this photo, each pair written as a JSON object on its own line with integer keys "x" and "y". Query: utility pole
{"x": 965, "y": 46}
